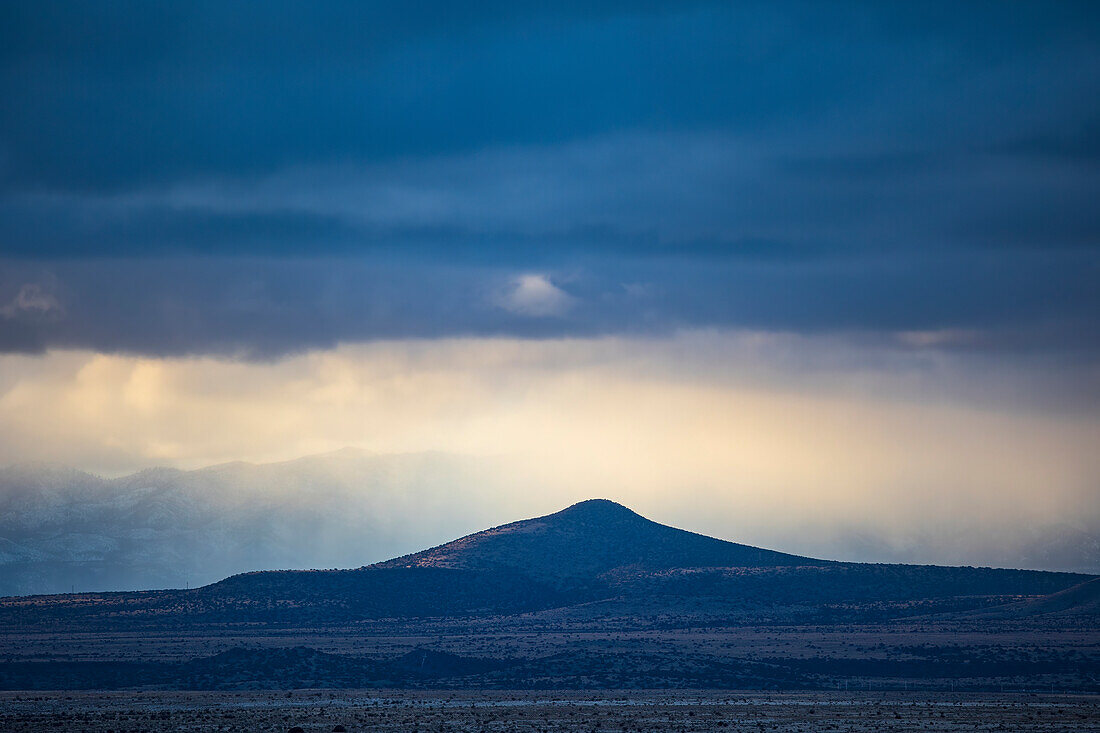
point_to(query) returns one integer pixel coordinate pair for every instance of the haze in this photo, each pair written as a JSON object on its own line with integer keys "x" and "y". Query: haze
{"x": 818, "y": 279}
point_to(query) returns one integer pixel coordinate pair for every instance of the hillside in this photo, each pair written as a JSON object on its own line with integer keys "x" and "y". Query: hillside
{"x": 62, "y": 529}
{"x": 591, "y": 596}
{"x": 582, "y": 565}
{"x": 588, "y": 540}
{"x": 1078, "y": 601}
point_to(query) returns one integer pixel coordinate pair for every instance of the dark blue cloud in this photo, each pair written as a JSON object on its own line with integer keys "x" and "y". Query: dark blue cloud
{"x": 125, "y": 94}
{"x": 264, "y": 177}
{"x": 264, "y": 308}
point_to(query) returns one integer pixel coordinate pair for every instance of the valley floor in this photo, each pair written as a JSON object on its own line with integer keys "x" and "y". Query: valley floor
{"x": 551, "y": 711}
{"x": 995, "y": 656}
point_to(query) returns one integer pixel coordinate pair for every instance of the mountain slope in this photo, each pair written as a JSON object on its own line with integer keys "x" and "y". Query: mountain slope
{"x": 588, "y": 540}
{"x": 63, "y": 529}
{"x": 593, "y": 561}
{"x": 1082, "y": 600}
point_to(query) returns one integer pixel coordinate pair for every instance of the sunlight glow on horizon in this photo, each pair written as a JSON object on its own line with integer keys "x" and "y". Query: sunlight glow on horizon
{"x": 718, "y": 429}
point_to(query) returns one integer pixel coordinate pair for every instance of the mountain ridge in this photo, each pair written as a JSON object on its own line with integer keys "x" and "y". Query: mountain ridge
{"x": 598, "y": 553}
{"x": 62, "y": 528}
{"x": 586, "y": 563}
{"x": 597, "y": 536}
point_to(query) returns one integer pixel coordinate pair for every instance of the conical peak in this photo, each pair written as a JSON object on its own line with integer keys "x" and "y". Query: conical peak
{"x": 598, "y": 508}
{"x": 586, "y": 540}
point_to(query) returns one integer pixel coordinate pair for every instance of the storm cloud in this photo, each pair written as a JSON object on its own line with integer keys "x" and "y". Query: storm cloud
{"x": 260, "y": 179}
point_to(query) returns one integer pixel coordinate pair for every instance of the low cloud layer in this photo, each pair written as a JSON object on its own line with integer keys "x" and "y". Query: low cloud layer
{"x": 784, "y": 441}
{"x": 262, "y": 308}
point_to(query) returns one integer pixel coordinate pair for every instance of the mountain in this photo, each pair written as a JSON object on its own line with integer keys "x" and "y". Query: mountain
{"x": 588, "y": 540}
{"x": 63, "y": 529}
{"x": 591, "y": 561}
{"x": 591, "y": 596}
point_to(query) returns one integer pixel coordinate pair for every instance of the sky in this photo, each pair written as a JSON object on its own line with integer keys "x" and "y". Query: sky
{"x": 792, "y": 259}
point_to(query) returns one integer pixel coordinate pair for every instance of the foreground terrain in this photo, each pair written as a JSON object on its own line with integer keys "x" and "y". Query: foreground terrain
{"x": 507, "y": 653}
{"x": 325, "y": 710}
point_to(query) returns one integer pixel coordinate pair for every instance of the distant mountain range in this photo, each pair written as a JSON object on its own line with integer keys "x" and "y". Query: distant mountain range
{"x": 63, "y": 530}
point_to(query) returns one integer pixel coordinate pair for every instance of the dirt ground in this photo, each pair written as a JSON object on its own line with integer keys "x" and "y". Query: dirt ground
{"x": 543, "y": 711}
